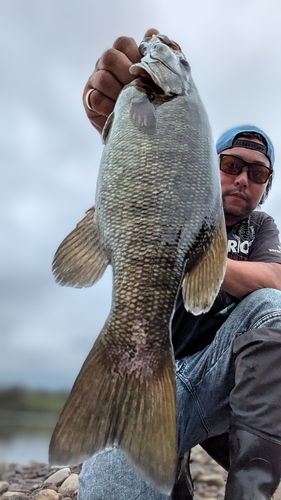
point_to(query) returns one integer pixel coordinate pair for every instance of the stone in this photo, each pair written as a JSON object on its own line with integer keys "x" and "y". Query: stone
{"x": 3, "y": 468}
{"x": 212, "y": 479}
{"x": 19, "y": 469}
{"x": 58, "y": 477}
{"x": 13, "y": 495}
{"x": 4, "y": 485}
{"x": 19, "y": 487}
{"x": 70, "y": 485}
{"x": 46, "y": 494}
{"x": 50, "y": 486}
{"x": 277, "y": 494}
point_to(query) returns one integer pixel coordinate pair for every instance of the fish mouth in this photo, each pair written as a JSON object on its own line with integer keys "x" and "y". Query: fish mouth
{"x": 158, "y": 78}
{"x": 145, "y": 81}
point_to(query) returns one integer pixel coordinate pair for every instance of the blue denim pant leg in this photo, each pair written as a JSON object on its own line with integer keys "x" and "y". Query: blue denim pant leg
{"x": 206, "y": 379}
{"x": 109, "y": 476}
{"x": 204, "y": 382}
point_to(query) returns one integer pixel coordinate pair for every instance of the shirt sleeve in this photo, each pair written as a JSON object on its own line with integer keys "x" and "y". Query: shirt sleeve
{"x": 266, "y": 245}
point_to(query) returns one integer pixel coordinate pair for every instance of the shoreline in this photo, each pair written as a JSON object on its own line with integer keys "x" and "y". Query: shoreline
{"x": 30, "y": 480}
{"x": 40, "y": 481}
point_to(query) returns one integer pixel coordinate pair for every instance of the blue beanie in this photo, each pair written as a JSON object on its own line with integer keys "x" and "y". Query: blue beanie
{"x": 227, "y": 140}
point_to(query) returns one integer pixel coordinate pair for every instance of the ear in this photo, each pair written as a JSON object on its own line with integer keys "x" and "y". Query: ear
{"x": 263, "y": 198}
{"x": 267, "y": 189}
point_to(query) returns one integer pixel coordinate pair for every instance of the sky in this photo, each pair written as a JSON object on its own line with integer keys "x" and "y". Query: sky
{"x": 50, "y": 153}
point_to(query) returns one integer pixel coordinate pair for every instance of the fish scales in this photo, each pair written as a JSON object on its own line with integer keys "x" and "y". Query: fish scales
{"x": 158, "y": 221}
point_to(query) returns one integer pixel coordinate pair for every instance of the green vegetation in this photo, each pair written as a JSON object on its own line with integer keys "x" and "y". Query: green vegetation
{"x": 19, "y": 399}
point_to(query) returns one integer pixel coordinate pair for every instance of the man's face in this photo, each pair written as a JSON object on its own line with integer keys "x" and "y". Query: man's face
{"x": 240, "y": 195}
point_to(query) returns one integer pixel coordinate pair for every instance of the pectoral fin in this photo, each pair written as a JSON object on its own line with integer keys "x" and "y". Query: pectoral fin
{"x": 142, "y": 112}
{"x": 201, "y": 285}
{"x": 81, "y": 260}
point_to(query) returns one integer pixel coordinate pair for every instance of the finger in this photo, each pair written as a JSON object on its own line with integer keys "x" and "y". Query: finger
{"x": 105, "y": 82}
{"x": 98, "y": 107}
{"x": 98, "y": 103}
{"x": 151, "y": 32}
{"x": 117, "y": 63}
{"x": 128, "y": 46}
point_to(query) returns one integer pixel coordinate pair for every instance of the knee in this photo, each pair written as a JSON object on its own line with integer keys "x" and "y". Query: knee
{"x": 265, "y": 296}
{"x": 264, "y": 307}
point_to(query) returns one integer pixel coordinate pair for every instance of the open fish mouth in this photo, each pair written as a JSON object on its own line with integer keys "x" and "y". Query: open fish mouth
{"x": 146, "y": 82}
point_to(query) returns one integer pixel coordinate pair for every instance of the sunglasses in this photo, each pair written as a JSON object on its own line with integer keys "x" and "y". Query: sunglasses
{"x": 234, "y": 165}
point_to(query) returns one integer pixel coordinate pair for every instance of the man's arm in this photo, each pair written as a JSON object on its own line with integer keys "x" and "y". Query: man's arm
{"x": 109, "y": 77}
{"x": 244, "y": 277}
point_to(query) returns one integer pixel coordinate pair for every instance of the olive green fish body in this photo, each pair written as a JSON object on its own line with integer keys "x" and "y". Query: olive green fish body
{"x": 158, "y": 221}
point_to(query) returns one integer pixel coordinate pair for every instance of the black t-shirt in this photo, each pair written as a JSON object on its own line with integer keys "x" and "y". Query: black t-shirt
{"x": 254, "y": 239}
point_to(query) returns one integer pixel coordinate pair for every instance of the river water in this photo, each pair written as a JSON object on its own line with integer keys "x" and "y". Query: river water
{"x": 25, "y": 448}
{"x": 25, "y": 436}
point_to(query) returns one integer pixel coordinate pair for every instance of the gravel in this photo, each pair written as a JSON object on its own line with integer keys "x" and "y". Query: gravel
{"x": 39, "y": 481}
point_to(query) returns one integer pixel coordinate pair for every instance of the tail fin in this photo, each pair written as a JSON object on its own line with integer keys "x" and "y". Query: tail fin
{"x": 133, "y": 407}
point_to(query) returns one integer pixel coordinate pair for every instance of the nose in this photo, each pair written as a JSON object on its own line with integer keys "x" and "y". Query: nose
{"x": 242, "y": 179}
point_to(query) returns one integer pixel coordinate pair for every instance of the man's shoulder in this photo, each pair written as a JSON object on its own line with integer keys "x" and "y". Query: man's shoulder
{"x": 258, "y": 217}
{"x": 249, "y": 233}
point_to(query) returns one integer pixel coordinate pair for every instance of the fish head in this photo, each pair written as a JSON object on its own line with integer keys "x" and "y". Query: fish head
{"x": 163, "y": 68}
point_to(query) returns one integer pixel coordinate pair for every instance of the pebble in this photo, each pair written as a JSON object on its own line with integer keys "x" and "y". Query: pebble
{"x": 212, "y": 479}
{"x": 13, "y": 495}
{"x": 4, "y": 485}
{"x": 36, "y": 481}
{"x": 69, "y": 485}
{"x": 46, "y": 495}
{"x": 58, "y": 477}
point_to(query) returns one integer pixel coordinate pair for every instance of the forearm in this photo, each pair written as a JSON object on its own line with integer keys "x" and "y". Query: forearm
{"x": 243, "y": 277}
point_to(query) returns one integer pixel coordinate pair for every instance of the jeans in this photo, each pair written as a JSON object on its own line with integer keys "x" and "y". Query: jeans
{"x": 205, "y": 381}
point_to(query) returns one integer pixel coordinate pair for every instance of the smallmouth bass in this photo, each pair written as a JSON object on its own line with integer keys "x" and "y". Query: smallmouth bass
{"x": 158, "y": 221}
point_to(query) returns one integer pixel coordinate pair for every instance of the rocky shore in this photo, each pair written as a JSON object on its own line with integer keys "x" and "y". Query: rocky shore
{"x": 41, "y": 482}
{"x": 38, "y": 481}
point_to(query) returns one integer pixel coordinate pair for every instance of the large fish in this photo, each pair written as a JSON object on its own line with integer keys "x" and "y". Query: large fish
{"x": 158, "y": 221}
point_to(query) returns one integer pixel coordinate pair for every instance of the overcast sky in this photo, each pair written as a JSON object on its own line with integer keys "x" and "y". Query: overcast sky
{"x": 50, "y": 153}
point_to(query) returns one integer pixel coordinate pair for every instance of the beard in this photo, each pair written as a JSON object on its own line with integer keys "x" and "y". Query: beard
{"x": 238, "y": 211}
{"x": 236, "y": 214}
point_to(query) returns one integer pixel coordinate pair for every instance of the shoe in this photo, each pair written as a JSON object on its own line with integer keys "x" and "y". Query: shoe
{"x": 255, "y": 467}
{"x": 183, "y": 488}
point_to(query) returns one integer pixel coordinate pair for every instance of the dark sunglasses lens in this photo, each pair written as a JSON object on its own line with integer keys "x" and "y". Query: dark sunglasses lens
{"x": 258, "y": 173}
{"x": 234, "y": 166}
{"x": 231, "y": 165}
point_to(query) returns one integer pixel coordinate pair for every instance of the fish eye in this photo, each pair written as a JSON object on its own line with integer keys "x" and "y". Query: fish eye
{"x": 184, "y": 63}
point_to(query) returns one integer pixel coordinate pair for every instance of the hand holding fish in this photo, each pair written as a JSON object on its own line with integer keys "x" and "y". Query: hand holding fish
{"x": 111, "y": 73}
